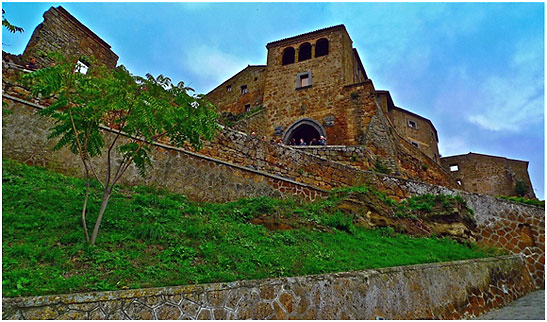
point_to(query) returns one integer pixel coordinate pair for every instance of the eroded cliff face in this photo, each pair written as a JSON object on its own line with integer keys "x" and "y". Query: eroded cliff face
{"x": 426, "y": 215}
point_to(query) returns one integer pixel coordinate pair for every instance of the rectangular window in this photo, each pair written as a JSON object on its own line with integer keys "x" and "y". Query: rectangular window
{"x": 454, "y": 168}
{"x": 303, "y": 79}
{"x": 412, "y": 124}
{"x": 229, "y": 88}
{"x": 247, "y": 107}
{"x": 81, "y": 67}
{"x": 244, "y": 89}
{"x": 415, "y": 144}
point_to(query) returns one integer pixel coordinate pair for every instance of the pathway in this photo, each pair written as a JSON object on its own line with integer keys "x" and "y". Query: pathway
{"x": 529, "y": 307}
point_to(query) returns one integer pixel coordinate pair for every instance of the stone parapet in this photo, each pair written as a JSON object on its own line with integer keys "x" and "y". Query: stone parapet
{"x": 451, "y": 290}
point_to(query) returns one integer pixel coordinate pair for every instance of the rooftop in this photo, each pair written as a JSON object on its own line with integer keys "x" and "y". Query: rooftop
{"x": 341, "y": 27}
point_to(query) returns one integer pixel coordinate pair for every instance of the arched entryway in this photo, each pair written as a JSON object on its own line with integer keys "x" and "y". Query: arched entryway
{"x": 306, "y": 129}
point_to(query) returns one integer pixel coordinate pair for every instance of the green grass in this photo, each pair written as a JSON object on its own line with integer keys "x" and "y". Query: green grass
{"x": 524, "y": 200}
{"x": 152, "y": 238}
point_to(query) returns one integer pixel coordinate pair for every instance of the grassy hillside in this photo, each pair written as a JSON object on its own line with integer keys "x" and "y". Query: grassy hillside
{"x": 153, "y": 238}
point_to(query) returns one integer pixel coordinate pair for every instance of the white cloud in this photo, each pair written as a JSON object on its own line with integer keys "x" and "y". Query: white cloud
{"x": 211, "y": 65}
{"x": 453, "y": 145}
{"x": 514, "y": 100}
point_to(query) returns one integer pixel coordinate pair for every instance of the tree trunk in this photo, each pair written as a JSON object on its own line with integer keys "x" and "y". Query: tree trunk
{"x": 106, "y": 197}
{"x": 84, "y": 209}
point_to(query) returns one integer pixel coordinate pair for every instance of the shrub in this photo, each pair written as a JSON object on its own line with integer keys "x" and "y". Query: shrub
{"x": 379, "y": 166}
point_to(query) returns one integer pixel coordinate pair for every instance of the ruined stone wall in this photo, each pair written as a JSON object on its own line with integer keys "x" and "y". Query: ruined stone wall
{"x": 60, "y": 31}
{"x": 286, "y": 104}
{"x": 490, "y": 175}
{"x": 423, "y": 134}
{"x": 451, "y": 290}
{"x": 228, "y": 96}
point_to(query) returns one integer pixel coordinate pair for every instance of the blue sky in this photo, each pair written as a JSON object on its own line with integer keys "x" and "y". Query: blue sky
{"x": 475, "y": 69}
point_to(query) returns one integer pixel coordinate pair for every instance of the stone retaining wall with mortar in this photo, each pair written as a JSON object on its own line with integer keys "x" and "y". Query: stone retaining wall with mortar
{"x": 25, "y": 132}
{"x": 451, "y": 290}
{"x": 516, "y": 227}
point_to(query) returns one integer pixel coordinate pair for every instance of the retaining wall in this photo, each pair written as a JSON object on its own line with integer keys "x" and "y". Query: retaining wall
{"x": 516, "y": 227}
{"x": 25, "y": 132}
{"x": 451, "y": 290}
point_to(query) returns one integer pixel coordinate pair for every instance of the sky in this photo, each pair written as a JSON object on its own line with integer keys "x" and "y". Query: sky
{"x": 476, "y": 70}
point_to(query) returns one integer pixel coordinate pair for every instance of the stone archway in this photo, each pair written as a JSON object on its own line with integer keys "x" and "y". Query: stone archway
{"x": 306, "y": 129}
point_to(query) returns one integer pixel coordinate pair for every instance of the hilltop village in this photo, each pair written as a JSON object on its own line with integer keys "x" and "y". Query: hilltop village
{"x": 314, "y": 85}
{"x": 364, "y": 165}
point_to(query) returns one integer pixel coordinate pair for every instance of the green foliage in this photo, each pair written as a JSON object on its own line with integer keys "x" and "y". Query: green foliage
{"x": 154, "y": 238}
{"x": 524, "y": 200}
{"x": 379, "y": 166}
{"x": 426, "y": 203}
{"x": 521, "y": 188}
{"x": 6, "y": 24}
{"x": 147, "y": 109}
{"x": 339, "y": 221}
{"x": 229, "y": 119}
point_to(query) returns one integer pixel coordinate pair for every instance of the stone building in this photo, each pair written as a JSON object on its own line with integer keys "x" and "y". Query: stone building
{"x": 315, "y": 84}
{"x": 61, "y": 32}
{"x": 309, "y": 88}
{"x": 490, "y": 175}
{"x": 416, "y": 129}
{"x": 312, "y": 84}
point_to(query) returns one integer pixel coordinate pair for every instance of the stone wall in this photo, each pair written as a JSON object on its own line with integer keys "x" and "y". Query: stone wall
{"x": 229, "y": 97}
{"x": 286, "y": 103}
{"x": 424, "y": 134}
{"x": 25, "y": 132}
{"x": 260, "y": 168}
{"x": 452, "y": 290}
{"x": 60, "y": 31}
{"x": 357, "y": 156}
{"x": 254, "y": 123}
{"x": 488, "y": 174}
{"x": 512, "y": 226}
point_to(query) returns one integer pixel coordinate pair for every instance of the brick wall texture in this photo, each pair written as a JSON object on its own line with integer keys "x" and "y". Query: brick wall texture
{"x": 452, "y": 290}
{"x": 495, "y": 176}
{"x": 60, "y": 31}
{"x": 230, "y": 96}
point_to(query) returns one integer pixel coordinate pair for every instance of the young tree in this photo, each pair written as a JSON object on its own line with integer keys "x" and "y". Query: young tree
{"x": 144, "y": 109}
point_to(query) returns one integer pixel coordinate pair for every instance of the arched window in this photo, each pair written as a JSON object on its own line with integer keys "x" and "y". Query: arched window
{"x": 321, "y": 47}
{"x": 288, "y": 56}
{"x": 304, "y": 52}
